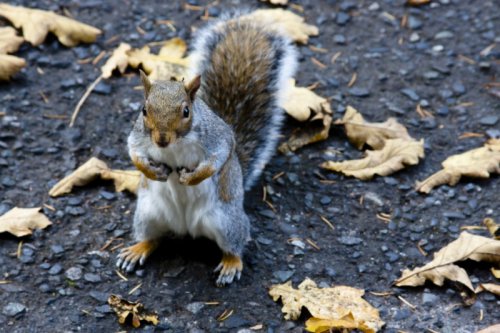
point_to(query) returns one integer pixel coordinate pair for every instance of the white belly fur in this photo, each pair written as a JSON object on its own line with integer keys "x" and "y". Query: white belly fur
{"x": 172, "y": 207}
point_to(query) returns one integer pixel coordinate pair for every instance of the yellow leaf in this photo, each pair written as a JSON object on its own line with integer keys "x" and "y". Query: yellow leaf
{"x": 495, "y": 272}
{"x": 479, "y": 162}
{"x": 118, "y": 60}
{"x": 317, "y": 325}
{"x": 21, "y": 221}
{"x": 9, "y": 65}
{"x": 336, "y": 303}
{"x": 491, "y": 287}
{"x": 135, "y": 310}
{"x": 393, "y": 157}
{"x": 493, "y": 228}
{"x": 37, "y": 23}
{"x": 283, "y": 21}
{"x": 169, "y": 62}
{"x": 9, "y": 40}
{"x": 490, "y": 329}
{"x": 443, "y": 267}
{"x": 361, "y": 132}
{"x": 93, "y": 169}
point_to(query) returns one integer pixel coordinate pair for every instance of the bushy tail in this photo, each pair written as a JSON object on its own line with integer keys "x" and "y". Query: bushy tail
{"x": 244, "y": 72}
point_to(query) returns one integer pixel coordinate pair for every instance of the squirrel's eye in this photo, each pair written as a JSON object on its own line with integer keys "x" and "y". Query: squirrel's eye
{"x": 144, "y": 109}
{"x": 185, "y": 112}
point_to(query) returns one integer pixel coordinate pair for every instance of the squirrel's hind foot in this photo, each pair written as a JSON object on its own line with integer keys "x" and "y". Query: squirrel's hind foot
{"x": 129, "y": 256}
{"x": 229, "y": 267}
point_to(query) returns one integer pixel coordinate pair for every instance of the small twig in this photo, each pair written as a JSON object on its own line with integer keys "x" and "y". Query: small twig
{"x": 83, "y": 99}
{"x": 413, "y": 307}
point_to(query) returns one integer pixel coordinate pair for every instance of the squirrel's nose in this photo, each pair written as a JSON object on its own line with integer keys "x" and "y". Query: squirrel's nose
{"x": 162, "y": 143}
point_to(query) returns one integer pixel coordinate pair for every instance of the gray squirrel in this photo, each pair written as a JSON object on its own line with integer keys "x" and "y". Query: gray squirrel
{"x": 201, "y": 144}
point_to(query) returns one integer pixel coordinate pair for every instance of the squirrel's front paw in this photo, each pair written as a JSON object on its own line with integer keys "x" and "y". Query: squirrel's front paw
{"x": 197, "y": 176}
{"x": 185, "y": 176}
{"x": 161, "y": 171}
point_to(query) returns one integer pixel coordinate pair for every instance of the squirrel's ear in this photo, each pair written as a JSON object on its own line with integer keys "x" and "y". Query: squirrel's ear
{"x": 145, "y": 82}
{"x": 192, "y": 87}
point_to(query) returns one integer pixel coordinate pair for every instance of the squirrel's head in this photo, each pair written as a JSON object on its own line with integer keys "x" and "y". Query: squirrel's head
{"x": 167, "y": 110}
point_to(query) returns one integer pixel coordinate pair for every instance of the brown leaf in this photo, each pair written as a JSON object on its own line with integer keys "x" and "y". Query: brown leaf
{"x": 443, "y": 267}
{"x": 169, "y": 62}
{"x": 417, "y": 2}
{"x": 495, "y": 272}
{"x": 313, "y": 131}
{"x": 118, "y": 60}
{"x": 134, "y": 310}
{"x": 393, "y": 157}
{"x": 283, "y": 21}
{"x": 361, "y": 132}
{"x": 491, "y": 287}
{"x": 490, "y": 329}
{"x": 479, "y": 162}
{"x": 93, "y": 169}
{"x": 339, "y": 304}
{"x": 10, "y": 65}
{"x": 493, "y": 227}
{"x": 9, "y": 40}
{"x": 37, "y": 23}
{"x": 21, "y": 221}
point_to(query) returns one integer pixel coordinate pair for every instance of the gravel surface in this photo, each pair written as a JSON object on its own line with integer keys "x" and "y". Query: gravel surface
{"x": 62, "y": 278}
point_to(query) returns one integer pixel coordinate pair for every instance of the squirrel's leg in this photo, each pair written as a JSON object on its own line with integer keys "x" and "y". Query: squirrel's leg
{"x": 138, "y": 252}
{"x": 230, "y": 267}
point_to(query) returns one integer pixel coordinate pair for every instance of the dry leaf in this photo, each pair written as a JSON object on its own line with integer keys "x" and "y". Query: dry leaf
{"x": 490, "y": 329}
{"x": 283, "y": 21}
{"x": 95, "y": 168}
{"x": 479, "y": 162}
{"x": 135, "y": 310}
{"x": 37, "y": 23}
{"x": 340, "y": 304}
{"x": 169, "y": 62}
{"x": 495, "y": 272}
{"x": 21, "y": 221}
{"x": 361, "y": 132}
{"x": 391, "y": 158}
{"x": 276, "y": 2}
{"x": 9, "y": 40}
{"x": 491, "y": 287}
{"x": 118, "y": 60}
{"x": 442, "y": 267}
{"x": 10, "y": 65}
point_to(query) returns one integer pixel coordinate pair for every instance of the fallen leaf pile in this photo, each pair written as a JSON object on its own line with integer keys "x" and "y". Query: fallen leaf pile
{"x": 304, "y": 105}
{"x": 36, "y": 24}
{"x": 393, "y": 147}
{"x": 133, "y": 310}
{"x": 21, "y": 221}
{"x": 339, "y": 307}
{"x": 93, "y": 169}
{"x": 479, "y": 162}
{"x": 443, "y": 266}
{"x": 9, "y": 42}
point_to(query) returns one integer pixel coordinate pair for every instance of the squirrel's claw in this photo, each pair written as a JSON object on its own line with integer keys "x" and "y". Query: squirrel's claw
{"x": 230, "y": 267}
{"x": 129, "y": 256}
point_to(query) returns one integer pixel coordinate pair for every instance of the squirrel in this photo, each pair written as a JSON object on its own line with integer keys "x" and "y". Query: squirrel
{"x": 201, "y": 144}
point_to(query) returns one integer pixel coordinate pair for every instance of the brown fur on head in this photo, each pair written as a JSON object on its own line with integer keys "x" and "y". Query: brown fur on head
{"x": 168, "y": 108}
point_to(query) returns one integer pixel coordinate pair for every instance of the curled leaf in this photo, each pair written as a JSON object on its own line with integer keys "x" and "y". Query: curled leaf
{"x": 335, "y": 306}
{"x": 283, "y": 21}
{"x": 443, "y": 267}
{"x": 93, "y": 169}
{"x": 10, "y": 65}
{"x": 394, "y": 156}
{"x": 21, "y": 221}
{"x": 479, "y": 162}
{"x": 134, "y": 310}
{"x": 9, "y": 40}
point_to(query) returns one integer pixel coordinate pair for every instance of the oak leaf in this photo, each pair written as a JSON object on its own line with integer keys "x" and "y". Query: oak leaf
{"x": 283, "y": 21}
{"x": 134, "y": 310}
{"x": 361, "y": 132}
{"x": 37, "y": 23}
{"x": 393, "y": 157}
{"x": 9, "y": 65}
{"x": 305, "y": 105}
{"x": 442, "y": 267}
{"x": 339, "y": 306}
{"x": 93, "y": 169}
{"x": 169, "y": 62}
{"x": 479, "y": 162}
{"x": 21, "y": 221}
{"x": 9, "y": 40}
{"x": 490, "y": 287}
{"x": 118, "y": 60}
